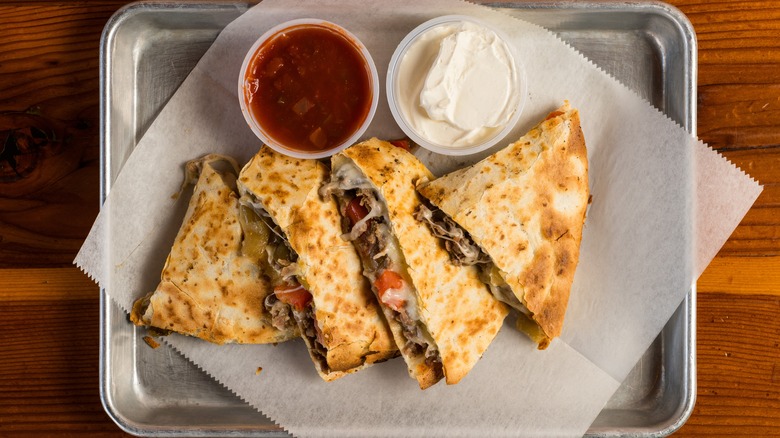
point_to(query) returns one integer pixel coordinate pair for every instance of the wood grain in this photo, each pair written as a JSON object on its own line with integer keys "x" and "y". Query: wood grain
{"x": 49, "y": 317}
{"x": 49, "y": 81}
{"x": 49, "y": 311}
{"x": 738, "y": 366}
{"x": 739, "y": 105}
{"x": 49, "y": 367}
{"x": 739, "y": 293}
{"x": 741, "y": 276}
{"x": 44, "y": 285}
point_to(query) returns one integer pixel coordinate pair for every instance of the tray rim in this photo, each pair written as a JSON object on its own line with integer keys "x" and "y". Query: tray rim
{"x": 684, "y": 26}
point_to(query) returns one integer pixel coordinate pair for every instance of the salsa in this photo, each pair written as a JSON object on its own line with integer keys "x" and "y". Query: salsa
{"x": 308, "y": 88}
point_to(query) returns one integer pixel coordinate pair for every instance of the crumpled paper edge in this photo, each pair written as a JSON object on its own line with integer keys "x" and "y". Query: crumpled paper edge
{"x": 211, "y": 376}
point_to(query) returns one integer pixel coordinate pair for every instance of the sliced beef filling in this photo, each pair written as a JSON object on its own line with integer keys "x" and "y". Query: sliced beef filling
{"x": 280, "y": 312}
{"x": 278, "y": 257}
{"x": 310, "y": 329}
{"x": 366, "y": 225}
{"x": 290, "y": 300}
{"x": 372, "y": 249}
{"x": 416, "y": 343}
{"x": 464, "y": 252}
{"x": 294, "y": 297}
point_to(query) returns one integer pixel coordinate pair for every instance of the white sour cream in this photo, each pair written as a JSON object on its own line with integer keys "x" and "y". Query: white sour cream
{"x": 459, "y": 84}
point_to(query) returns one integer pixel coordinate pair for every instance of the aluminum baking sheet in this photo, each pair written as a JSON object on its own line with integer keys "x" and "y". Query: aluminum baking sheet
{"x": 148, "y": 49}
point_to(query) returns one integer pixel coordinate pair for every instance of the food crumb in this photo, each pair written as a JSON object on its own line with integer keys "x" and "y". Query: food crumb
{"x": 259, "y": 369}
{"x": 151, "y": 342}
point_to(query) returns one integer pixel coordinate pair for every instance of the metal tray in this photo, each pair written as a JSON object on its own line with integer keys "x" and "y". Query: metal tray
{"x": 147, "y": 50}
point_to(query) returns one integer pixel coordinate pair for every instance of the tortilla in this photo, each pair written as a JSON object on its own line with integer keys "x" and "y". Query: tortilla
{"x": 453, "y": 305}
{"x": 208, "y": 289}
{"x": 525, "y": 207}
{"x": 350, "y": 325}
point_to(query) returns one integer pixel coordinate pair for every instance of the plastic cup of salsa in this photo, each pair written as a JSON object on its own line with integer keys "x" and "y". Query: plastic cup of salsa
{"x": 308, "y": 88}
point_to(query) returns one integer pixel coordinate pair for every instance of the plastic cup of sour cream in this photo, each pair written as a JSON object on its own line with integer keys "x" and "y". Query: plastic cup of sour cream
{"x": 455, "y": 85}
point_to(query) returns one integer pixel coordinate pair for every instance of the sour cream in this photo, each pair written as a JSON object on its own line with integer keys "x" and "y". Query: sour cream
{"x": 458, "y": 85}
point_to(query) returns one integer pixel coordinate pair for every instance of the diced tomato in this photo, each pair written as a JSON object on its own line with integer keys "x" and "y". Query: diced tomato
{"x": 402, "y": 143}
{"x": 294, "y": 295}
{"x": 355, "y": 210}
{"x": 388, "y": 280}
{"x": 387, "y": 285}
{"x": 554, "y": 114}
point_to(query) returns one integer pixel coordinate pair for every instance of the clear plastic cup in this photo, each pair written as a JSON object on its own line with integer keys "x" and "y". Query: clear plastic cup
{"x": 402, "y": 117}
{"x": 256, "y": 125}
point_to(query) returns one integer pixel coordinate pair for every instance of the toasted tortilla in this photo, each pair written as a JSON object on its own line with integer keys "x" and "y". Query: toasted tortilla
{"x": 458, "y": 310}
{"x": 208, "y": 289}
{"x": 351, "y": 324}
{"x": 525, "y": 207}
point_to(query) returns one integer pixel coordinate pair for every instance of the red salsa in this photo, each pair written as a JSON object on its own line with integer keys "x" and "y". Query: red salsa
{"x": 308, "y": 87}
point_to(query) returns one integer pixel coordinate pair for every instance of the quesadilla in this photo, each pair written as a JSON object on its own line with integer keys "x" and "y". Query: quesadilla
{"x": 316, "y": 276}
{"x": 524, "y": 208}
{"x": 209, "y": 288}
{"x": 442, "y": 316}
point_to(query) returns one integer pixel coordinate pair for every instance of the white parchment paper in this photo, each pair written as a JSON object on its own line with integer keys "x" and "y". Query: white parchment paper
{"x": 663, "y": 204}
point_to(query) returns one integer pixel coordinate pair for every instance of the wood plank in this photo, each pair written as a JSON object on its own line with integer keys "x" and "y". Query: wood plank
{"x": 46, "y": 285}
{"x": 739, "y": 78}
{"x": 717, "y": 73}
{"x": 730, "y": 118}
{"x": 49, "y": 80}
{"x": 739, "y": 105}
{"x": 49, "y": 372}
{"x": 738, "y": 366}
{"x": 741, "y": 276}
{"x": 759, "y": 231}
{"x": 761, "y": 163}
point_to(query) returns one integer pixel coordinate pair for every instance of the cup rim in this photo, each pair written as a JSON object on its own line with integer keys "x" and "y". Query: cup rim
{"x": 391, "y": 85}
{"x": 374, "y": 88}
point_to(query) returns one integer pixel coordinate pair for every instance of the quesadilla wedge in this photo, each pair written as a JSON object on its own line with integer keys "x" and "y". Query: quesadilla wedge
{"x": 209, "y": 288}
{"x": 442, "y": 316}
{"x": 316, "y": 276}
{"x": 524, "y": 207}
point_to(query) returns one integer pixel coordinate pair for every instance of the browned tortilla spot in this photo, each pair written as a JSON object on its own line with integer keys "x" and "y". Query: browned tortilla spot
{"x": 534, "y": 190}
{"x": 446, "y": 292}
{"x": 345, "y": 309}
{"x": 205, "y": 275}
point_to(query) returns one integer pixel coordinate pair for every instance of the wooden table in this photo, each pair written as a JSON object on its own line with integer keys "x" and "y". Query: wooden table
{"x": 49, "y": 312}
